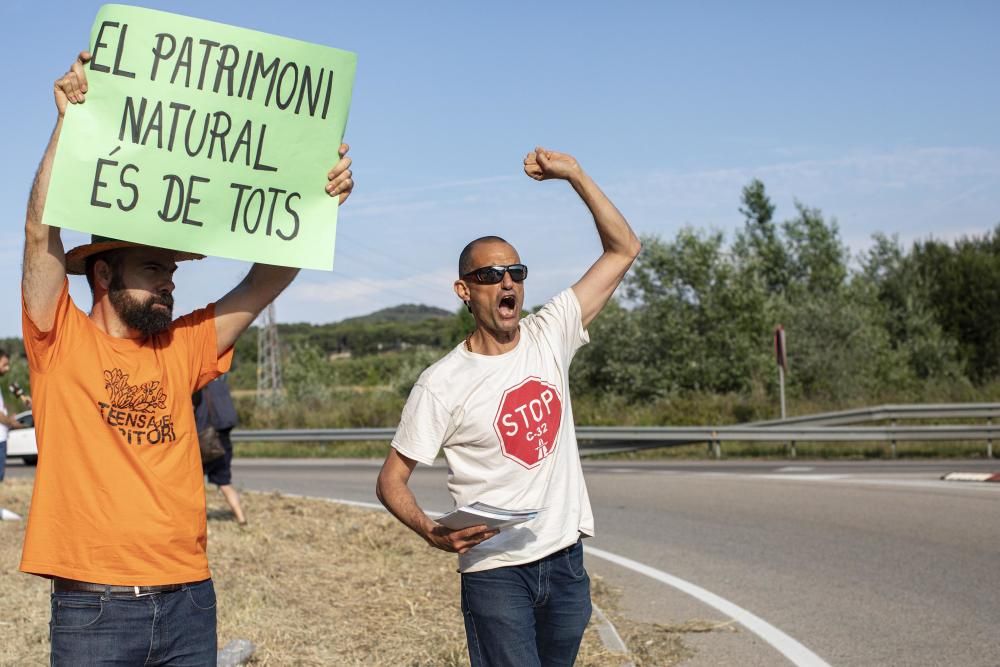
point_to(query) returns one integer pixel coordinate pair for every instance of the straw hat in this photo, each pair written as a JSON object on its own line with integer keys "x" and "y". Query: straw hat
{"x": 76, "y": 259}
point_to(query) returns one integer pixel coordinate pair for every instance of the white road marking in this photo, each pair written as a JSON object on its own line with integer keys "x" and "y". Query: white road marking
{"x": 606, "y": 629}
{"x": 338, "y": 501}
{"x": 987, "y": 487}
{"x": 804, "y": 478}
{"x": 265, "y": 462}
{"x": 765, "y": 475}
{"x": 969, "y": 476}
{"x": 793, "y": 650}
{"x": 786, "y": 645}
{"x": 927, "y": 484}
{"x": 873, "y": 481}
{"x": 795, "y": 469}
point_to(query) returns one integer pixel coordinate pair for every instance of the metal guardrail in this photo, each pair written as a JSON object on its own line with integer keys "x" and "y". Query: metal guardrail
{"x": 891, "y": 412}
{"x": 313, "y": 435}
{"x": 822, "y": 427}
{"x": 674, "y": 434}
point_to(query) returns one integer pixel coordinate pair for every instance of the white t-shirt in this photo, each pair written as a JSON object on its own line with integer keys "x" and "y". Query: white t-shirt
{"x": 506, "y": 425}
{"x": 4, "y": 429}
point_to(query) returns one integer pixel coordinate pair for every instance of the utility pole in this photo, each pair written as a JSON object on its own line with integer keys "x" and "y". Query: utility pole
{"x": 268, "y": 359}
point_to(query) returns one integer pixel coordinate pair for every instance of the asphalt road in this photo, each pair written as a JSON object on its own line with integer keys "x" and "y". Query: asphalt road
{"x": 867, "y": 563}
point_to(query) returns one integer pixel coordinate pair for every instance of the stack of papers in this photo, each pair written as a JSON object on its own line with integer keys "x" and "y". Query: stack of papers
{"x": 481, "y": 514}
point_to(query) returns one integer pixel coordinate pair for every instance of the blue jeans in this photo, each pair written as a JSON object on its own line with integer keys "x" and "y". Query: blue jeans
{"x": 527, "y": 615}
{"x": 175, "y": 628}
{"x": 3, "y": 458}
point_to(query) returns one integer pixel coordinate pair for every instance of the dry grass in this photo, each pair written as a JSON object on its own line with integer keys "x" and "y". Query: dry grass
{"x": 313, "y": 583}
{"x": 24, "y": 600}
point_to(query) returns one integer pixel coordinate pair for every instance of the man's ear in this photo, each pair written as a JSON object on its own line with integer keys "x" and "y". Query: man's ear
{"x": 462, "y": 291}
{"x": 102, "y": 274}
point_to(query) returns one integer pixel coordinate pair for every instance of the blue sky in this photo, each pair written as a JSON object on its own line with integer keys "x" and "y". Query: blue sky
{"x": 883, "y": 115}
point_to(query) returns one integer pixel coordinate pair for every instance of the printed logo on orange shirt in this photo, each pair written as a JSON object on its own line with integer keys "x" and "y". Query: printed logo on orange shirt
{"x": 133, "y": 410}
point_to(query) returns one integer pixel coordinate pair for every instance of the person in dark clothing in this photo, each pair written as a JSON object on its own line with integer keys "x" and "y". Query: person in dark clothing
{"x": 214, "y": 406}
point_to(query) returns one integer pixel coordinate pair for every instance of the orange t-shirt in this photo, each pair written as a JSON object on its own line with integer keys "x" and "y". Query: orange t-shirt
{"x": 119, "y": 494}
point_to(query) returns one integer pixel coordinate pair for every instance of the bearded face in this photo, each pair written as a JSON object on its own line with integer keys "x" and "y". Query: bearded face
{"x": 148, "y": 316}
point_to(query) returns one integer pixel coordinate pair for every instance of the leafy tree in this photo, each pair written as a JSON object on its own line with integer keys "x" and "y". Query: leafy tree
{"x": 838, "y": 348}
{"x": 460, "y": 326}
{"x": 759, "y": 245}
{"x": 963, "y": 283}
{"x": 817, "y": 260}
{"x": 613, "y": 362}
{"x": 699, "y": 319}
{"x": 907, "y": 312}
{"x": 305, "y": 374}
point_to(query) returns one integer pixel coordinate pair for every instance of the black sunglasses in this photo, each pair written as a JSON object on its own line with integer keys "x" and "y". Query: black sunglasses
{"x": 491, "y": 275}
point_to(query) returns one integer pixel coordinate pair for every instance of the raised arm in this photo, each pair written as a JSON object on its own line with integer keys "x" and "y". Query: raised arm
{"x": 621, "y": 246}
{"x": 237, "y": 310}
{"x": 393, "y": 491}
{"x": 44, "y": 269}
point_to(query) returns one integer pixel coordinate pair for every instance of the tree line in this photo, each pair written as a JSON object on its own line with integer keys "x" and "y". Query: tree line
{"x": 694, "y": 319}
{"x": 698, "y": 312}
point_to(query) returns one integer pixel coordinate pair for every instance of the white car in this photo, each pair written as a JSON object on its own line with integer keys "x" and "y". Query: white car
{"x": 21, "y": 441}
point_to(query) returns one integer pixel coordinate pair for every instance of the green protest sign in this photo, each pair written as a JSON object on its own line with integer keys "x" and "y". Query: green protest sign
{"x": 204, "y": 137}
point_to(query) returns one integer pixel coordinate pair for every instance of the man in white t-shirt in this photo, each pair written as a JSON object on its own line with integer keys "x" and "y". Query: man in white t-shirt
{"x": 7, "y": 421}
{"x": 499, "y": 405}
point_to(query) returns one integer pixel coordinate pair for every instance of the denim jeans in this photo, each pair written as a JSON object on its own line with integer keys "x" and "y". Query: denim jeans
{"x": 176, "y": 628}
{"x": 529, "y": 615}
{"x": 3, "y": 458}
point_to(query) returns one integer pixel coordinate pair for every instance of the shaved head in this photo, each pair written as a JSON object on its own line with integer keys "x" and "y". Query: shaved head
{"x": 465, "y": 263}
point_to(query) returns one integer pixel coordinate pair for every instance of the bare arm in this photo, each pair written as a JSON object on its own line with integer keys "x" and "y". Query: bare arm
{"x": 621, "y": 246}
{"x": 237, "y": 310}
{"x": 393, "y": 491}
{"x": 10, "y": 422}
{"x": 44, "y": 268}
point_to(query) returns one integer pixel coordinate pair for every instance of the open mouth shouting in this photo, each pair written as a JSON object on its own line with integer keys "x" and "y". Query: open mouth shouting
{"x": 508, "y": 306}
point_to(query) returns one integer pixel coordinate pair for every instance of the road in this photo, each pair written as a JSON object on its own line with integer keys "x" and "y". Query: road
{"x": 866, "y": 563}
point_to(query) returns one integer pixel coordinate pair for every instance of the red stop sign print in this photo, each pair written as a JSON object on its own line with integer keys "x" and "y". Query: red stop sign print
{"x": 527, "y": 421}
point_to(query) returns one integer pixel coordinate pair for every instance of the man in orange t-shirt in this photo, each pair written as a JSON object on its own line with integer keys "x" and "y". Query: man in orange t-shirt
{"x": 117, "y": 518}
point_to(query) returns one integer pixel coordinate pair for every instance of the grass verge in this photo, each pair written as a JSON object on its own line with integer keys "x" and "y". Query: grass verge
{"x": 365, "y": 449}
{"x": 314, "y": 583}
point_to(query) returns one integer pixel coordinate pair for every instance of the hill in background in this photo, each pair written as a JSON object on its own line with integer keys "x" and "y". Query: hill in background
{"x": 402, "y": 327}
{"x": 407, "y": 312}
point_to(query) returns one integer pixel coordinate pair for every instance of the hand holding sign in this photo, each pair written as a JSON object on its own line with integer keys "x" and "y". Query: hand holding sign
{"x": 203, "y": 137}
{"x": 71, "y": 87}
{"x": 340, "y": 177}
